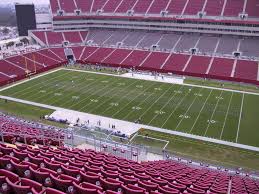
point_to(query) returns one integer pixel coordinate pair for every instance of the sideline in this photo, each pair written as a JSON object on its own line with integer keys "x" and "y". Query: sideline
{"x": 207, "y": 139}
{"x": 130, "y": 77}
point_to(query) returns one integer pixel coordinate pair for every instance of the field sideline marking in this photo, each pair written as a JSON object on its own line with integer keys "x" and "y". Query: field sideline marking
{"x": 215, "y": 108}
{"x": 200, "y": 111}
{"x": 32, "y": 87}
{"x": 26, "y": 80}
{"x": 179, "y": 123}
{"x": 191, "y": 85}
{"x": 226, "y": 116}
{"x": 114, "y": 75}
{"x": 172, "y": 132}
{"x": 51, "y": 91}
{"x": 241, "y": 110}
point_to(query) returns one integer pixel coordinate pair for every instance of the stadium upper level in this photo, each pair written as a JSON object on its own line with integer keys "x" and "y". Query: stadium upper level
{"x": 188, "y": 8}
{"x": 239, "y": 17}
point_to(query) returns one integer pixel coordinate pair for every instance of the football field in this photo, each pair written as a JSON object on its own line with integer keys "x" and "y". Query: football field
{"x": 224, "y": 115}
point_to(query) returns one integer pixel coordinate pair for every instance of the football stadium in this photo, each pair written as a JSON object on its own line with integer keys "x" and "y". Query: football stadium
{"x": 131, "y": 97}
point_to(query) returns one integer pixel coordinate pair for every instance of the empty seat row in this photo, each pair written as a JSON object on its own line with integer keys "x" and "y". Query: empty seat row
{"x": 229, "y": 8}
{"x": 64, "y": 170}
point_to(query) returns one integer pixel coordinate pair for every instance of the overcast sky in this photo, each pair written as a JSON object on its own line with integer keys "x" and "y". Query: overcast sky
{"x": 25, "y": 1}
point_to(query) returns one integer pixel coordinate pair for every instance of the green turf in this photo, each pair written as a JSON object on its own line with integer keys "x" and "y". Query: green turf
{"x": 222, "y": 84}
{"x": 195, "y": 110}
{"x": 27, "y": 112}
{"x": 200, "y": 151}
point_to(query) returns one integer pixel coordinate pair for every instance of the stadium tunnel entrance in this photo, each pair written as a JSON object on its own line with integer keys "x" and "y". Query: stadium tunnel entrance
{"x": 69, "y": 55}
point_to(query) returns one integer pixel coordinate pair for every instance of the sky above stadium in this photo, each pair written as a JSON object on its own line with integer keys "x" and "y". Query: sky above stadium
{"x": 24, "y": 1}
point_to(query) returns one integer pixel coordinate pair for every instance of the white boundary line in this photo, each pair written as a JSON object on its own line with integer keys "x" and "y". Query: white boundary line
{"x": 168, "y": 131}
{"x": 192, "y": 85}
{"x": 143, "y": 126}
{"x": 211, "y": 117}
{"x": 179, "y": 123}
{"x": 114, "y": 75}
{"x": 241, "y": 110}
{"x": 223, "y": 127}
{"x": 161, "y": 109}
{"x": 197, "y": 118}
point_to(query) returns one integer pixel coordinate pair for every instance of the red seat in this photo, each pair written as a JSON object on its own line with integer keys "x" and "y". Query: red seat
{"x": 87, "y": 188}
{"x": 63, "y": 182}
{"x": 90, "y": 177}
{"x": 132, "y": 189}
{"x": 149, "y": 186}
{"x": 111, "y": 184}
{"x": 7, "y": 174}
{"x": 42, "y": 175}
{"x": 21, "y": 169}
{"x": 24, "y": 186}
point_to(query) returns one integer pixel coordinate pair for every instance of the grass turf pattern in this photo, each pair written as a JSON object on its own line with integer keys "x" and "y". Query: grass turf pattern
{"x": 212, "y": 113}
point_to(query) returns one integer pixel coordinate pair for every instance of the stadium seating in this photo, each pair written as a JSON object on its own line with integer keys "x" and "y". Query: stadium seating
{"x": 176, "y": 7}
{"x": 233, "y": 7}
{"x": 135, "y": 58}
{"x": 73, "y": 37}
{"x": 57, "y": 38}
{"x": 84, "y": 6}
{"x": 125, "y": 6}
{"x": 158, "y": 6}
{"x": 214, "y": 8}
{"x": 16, "y": 131}
{"x": 221, "y": 67}
{"x": 246, "y": 70}
{"x": 68, "y": 8}
{"x": 54, "y": 6}
{"x": 193, "y": 7}
{"x": 18, "y": 67}
{"x": 198, "y": 65}
{"x": 219, "y": 8}
{"x": 176, "y": 63}
{"x": 65, "y": 170}
{"x": 252, "y": 8}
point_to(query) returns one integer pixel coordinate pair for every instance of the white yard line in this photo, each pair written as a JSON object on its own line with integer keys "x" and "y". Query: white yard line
{"x": 200, "y": 111}
{"x": 151, "y": 85}
{"x": 32, "y": 88}
{"x": 122, "y": 98}
{"x": 171, "y": 132}
{"x": 215, "y": 108}
{"x": 192, "y": 85}
{"x": 187, "y": 110}
{"x": 151, "y": 105}
{"x": 26, "y": 80}
{"x": 89, "y": 97}
{"x": 240, "y": 117}
{"x": 139, "y": 104}
{"x": 113, "y": 95}
{"x": 187, "y": 93}
{"x": 164, "y": 106}
{"x": 48, "y": 95}
{"x": 226, "y": 116}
